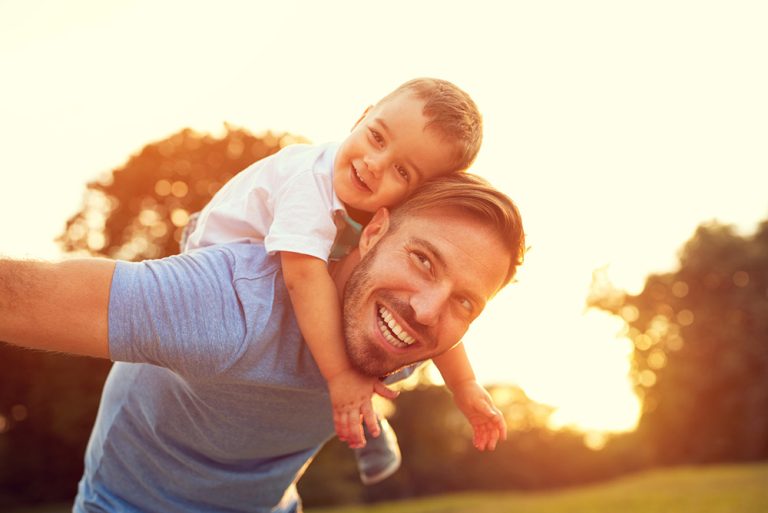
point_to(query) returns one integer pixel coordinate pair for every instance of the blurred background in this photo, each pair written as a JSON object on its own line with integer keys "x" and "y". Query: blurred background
{"x": 631, "y": 135}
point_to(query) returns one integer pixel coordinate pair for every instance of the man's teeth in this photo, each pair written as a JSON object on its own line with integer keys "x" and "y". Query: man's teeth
{"x": 358, "y": 174}
{"x": 387, "y": 323}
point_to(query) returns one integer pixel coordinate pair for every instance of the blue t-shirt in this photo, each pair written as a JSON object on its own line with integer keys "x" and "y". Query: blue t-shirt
{"x": 223, "y": 404}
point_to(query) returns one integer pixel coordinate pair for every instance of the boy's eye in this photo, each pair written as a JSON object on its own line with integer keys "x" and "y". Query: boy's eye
{"x": 377, "y": 137}
{"x": 403, "y": 172}
{"x": 466, "y": 304}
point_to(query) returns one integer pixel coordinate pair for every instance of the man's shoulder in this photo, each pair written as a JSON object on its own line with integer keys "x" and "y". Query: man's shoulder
{"x": 229, "y": 261}
{"x": 243, "y": 260}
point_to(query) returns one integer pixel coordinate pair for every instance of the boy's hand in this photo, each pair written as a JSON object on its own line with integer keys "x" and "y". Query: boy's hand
{"x": 487, "y": 421}
{"x": 351, "y": 394}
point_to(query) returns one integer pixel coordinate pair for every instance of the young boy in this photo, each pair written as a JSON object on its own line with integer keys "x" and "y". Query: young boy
{"x": 303, "y": 198}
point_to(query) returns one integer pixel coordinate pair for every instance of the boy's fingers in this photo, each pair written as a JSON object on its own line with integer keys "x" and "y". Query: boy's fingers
{"x": 501, "y": 424}
{"x": 494, "y": 438}
{"x": 337, "y": 425}
{"x": 342, "y": 426}
{"x": 356, "y": 432}
{"x": 370, "y": 419}
{"x": 384, "y": 391}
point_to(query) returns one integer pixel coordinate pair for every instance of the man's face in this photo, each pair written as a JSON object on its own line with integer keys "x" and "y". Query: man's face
{"x": 388, "y": 154}
{"x": 417, "y": 289}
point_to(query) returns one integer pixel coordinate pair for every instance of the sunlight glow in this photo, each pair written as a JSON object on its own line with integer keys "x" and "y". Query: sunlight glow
{"x": 600, "y": 158}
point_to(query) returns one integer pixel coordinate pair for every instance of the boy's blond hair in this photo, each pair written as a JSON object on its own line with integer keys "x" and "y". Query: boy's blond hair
{"x": 451, "y": 112}
{"x": 475, "y": 197}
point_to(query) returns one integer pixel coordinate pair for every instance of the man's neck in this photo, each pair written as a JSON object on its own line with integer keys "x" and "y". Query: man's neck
{"x": 341, "y": 270}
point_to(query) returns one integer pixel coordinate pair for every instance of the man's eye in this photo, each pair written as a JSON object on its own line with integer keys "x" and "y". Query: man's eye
{"x": 466, "y": 304}
{"x": 403, "y": 172}
{"x": 422, "y": 260}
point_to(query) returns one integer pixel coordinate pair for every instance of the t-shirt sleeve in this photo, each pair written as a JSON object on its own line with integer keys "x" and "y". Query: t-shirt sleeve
{"x": 180, "y": 312}
{"x": 303, "y": 217}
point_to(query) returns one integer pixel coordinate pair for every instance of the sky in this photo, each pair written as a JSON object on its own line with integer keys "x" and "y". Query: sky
{"x": 617, "y": 127}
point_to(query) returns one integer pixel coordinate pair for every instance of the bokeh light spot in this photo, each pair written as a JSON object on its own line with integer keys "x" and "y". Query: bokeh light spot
{"x": 630, "y": 313}
{"x": 647, "y": 378}
{"x": 148, "y": 217}
{"x": 158, "y": 230}
{"x": 680, "y": 289}
{"x": 163, "y": 188}
{"x": 657, "y": 359}
{"x": 643, "y": 342}
{"x": 685, "y": 317}
{"x": 740, "y": 279}
{"x": 179, "y": 189}
{"x": 96, "y": 241}
{"x": 19, "y": 412}
{"x": 179, "y": 217}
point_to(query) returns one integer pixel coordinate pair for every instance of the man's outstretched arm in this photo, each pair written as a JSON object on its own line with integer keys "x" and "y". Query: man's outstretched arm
{"x": 56, "y": 306}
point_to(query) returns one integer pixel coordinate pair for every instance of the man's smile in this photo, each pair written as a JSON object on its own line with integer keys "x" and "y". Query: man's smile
{"x": 391, "y": 329}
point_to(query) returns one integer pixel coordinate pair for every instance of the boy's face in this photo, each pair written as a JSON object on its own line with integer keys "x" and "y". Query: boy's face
{"x": 388, "y": 154}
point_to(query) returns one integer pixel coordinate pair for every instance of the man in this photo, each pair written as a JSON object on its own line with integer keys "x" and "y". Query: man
{"x": 223, "y": 406}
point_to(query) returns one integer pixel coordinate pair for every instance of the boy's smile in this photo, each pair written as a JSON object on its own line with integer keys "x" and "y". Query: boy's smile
{"x": 389, "y": 152}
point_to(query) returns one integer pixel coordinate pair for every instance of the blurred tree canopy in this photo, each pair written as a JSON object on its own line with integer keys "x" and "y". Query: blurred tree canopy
{"x": 139, "y": 210}
{"x": 701, "y": 348}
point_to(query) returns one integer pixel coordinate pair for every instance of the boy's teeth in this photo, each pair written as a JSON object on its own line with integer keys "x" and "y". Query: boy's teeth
{"x": 401, "y": 338}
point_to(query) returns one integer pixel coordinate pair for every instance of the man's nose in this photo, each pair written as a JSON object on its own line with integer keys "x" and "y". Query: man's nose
{"x": 428, "y": 303}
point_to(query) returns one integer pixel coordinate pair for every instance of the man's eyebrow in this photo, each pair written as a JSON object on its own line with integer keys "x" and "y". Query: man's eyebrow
{"x": 418, "y": 241}
{"x": 409, "y": 161}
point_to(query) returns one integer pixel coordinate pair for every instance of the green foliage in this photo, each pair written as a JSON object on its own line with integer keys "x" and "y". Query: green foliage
{"x": 718, "y": 489}
{"x": 701, "y": 349}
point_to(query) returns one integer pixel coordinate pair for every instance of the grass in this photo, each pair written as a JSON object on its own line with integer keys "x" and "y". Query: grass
{"x": 716, "y": 489}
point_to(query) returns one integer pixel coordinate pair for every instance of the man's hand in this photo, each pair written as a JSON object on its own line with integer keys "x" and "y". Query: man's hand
{"x": 351, "y": 394}
{"x": 487, "y": 421}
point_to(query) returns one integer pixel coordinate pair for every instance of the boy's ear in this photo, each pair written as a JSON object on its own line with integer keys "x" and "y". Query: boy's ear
{"x": 374, "y": 231}
{"x": 365, "y": 113}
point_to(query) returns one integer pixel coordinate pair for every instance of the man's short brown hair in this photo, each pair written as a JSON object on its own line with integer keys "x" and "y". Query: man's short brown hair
{"x": 451, "y": 112}
{"x": 474, "y": 196}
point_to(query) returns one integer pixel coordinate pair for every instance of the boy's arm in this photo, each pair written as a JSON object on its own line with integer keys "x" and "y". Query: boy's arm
{"x": 318, "y": 311}
{"x": 56, "y": 306}
{"x": 473, "y": 400}
{"x": 454, "y": 367}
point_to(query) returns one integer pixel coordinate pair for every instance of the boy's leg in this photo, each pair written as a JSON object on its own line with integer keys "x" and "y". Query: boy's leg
{"x": 380, "y": 458}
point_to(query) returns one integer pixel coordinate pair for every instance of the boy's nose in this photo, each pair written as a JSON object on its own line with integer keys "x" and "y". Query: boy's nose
{"x": 374, "y": 163}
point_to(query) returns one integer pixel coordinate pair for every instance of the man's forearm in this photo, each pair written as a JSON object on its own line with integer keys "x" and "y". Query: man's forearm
{"x": 56, "y": 306}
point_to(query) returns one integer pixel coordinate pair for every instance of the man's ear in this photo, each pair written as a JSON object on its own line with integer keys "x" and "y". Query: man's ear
{"x": 373, "y": 232}
{"x": 365, "y": 113}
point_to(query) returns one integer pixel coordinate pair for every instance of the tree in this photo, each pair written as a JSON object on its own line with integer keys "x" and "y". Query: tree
{"x": 139, "y": 210}
{"x": 47, "y": 401}
{"x": 701, "y": 348}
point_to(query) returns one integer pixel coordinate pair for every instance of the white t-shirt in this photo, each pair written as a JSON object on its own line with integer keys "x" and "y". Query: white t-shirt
{"x": 285, "y": 200}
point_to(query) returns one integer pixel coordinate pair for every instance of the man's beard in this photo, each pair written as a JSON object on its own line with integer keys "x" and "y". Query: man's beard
{"x": 366, "y": 356}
